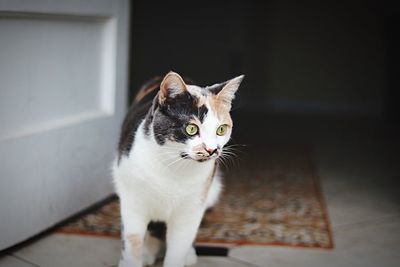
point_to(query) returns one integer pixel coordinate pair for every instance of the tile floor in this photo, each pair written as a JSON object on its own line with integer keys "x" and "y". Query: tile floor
{"x": 358, "y": 169}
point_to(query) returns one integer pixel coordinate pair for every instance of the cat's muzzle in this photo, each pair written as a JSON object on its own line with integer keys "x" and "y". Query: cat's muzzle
{"x": 202, "y": 156}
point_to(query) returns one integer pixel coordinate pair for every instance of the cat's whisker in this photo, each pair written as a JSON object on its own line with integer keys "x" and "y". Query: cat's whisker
{"x": 176, "y": 161}
{"x": 168, "y": 160}
{"x": 235, "y": 149}
{"x": 184, "y": 164}
{"x": 233, "y": 145}
{"x": 232, "y": 157}
{"x": 232, "y": 163}
{"x": 223, "y": 161}
{"x": 232, "y": 148}
{"x": 230, "y": 153}
{"x": 165, "y": 164}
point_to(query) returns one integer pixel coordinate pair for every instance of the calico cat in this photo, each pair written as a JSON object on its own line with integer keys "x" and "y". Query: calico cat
{"x": 166, "y": 171}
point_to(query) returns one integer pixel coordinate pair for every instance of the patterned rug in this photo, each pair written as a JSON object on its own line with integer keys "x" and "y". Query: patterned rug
{"x": 270, "y": 200}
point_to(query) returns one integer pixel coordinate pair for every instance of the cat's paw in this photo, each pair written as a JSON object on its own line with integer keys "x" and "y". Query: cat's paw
{"x": 149, "y": 257}
{"x": 124, "y": 263}
{"x": 153, "y": 250}
{"x": 191, "y": 257}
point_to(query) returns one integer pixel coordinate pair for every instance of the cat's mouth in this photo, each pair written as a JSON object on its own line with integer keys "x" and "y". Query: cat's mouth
{"x": 199, "y": 157}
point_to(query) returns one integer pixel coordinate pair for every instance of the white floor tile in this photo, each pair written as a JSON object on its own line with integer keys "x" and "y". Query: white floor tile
{"x": 350, "y": 203}
{"x": 358, "y": 185}
{"x": 218, "y": 262}
{"x": 59, "y": 250}
{"x": 215, "y": 262}
{"x": 10, "y": 261}
{"x": 82, "y": 251}
{"x": 361, "y": 246}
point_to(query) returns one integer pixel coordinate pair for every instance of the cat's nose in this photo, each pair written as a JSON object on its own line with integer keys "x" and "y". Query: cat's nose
{"x": 211, "y": 151}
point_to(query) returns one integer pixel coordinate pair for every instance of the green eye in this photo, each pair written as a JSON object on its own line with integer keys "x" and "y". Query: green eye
{"x": 192, "y": 129}
{"x": 222, "y": 130}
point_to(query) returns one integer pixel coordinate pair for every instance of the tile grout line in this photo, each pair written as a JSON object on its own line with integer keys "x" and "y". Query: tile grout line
{"x": 24, "y": 260}
{"x": 366, "y": 223}
{"x": 242, "y": 261}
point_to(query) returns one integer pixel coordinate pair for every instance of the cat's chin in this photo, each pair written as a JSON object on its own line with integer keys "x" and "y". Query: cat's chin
{"x": 200, "y": 160}
{"x": 203, "y": 160}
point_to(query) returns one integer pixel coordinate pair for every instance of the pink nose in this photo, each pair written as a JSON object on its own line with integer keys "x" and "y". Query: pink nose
{"x": 211, "y": 151}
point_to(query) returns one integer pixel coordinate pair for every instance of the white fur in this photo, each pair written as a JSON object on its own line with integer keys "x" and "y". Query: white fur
{"x": 194, "y": 90}
{"x": 155, "y": 183}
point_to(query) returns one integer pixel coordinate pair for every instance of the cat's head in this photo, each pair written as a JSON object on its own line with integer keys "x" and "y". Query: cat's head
{"x": 193, "y": 122}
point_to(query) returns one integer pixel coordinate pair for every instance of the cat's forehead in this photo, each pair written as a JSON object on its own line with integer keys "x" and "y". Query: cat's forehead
{"x": 206, "y": 98}
{"x": 197, "y": 91}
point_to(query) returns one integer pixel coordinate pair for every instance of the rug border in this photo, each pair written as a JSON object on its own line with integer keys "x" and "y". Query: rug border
{"x": 318, "y": 190}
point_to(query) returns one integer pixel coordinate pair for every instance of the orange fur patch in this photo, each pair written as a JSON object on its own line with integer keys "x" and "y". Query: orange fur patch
{"x": 199, "y": 148}
{"x": 221, "y": 109}
{"x": 147, "y": 89}
{"x": 136, "y": 243}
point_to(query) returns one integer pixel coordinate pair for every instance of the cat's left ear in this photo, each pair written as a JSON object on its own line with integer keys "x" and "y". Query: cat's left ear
{"x": 171, "y": 86}
{"x": 227, "y": 93}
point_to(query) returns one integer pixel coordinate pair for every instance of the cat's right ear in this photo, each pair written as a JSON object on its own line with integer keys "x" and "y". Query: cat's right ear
{"x": 171, "y": 86}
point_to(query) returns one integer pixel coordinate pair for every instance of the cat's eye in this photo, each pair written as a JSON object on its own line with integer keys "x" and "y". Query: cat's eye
{"x": 222, "y": 130}
{"x": 192, "y": 129}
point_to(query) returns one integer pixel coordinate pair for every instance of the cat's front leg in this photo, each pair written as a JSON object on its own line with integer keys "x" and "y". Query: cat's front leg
{"x": 181, "y": 232}
{"x": 134, "y": 229}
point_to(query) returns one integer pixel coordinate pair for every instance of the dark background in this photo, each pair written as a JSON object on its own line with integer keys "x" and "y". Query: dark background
{"x": 326, "y": 58}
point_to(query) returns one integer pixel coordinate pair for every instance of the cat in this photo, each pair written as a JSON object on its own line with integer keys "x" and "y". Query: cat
{"x": 166, "y": 171}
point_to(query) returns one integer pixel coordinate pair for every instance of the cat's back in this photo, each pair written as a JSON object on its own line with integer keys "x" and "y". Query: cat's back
{"x": 137, "y": 112}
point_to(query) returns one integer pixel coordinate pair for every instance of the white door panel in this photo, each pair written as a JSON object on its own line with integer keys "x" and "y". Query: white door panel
{"x": 63, "y": 80}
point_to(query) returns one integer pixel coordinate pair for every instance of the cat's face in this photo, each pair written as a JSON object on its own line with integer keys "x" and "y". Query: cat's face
{"x": 192, "y": 122}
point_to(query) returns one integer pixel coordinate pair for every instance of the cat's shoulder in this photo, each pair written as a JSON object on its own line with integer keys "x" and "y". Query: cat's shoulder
{"x": 136, "y": 113}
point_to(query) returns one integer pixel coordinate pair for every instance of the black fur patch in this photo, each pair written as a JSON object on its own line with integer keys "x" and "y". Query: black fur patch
{"x": 131, "y": 123}
{"x": 202, "y": 112}
{"x": 136, "y": 113}
{"x": 157, "y": 229}
{"x": 171, "y": 118}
